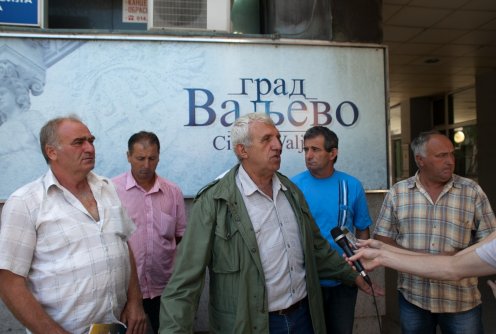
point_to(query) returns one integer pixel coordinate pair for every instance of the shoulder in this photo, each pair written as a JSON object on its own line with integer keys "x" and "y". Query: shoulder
{"x": 461, "y": 181}
{"x": 349, "y": 178}
{"x": 465, "y": 183}
{"x": 222, "y": 187}
{"x": 300, "y": 177}
{"x": 165, "y": 183}
{"x": 32, "y": 193}
{"x": 404, "y": 184}
{"x": 99, "y": 179}
{"x": 29, "y": 188}
{"x": 120, "y": 178}
{"x": 208, "y": 188}
{"x": 28, "y": 197}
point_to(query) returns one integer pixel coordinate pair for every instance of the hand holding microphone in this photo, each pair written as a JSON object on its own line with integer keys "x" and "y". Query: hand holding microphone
{"x": 342, "y": 241}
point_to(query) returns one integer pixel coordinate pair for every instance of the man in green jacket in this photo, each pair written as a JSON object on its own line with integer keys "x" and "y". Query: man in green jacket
{"x": 265, "y": 255}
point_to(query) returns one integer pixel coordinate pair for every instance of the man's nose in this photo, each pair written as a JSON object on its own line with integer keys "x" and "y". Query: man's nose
{"x": 88, "y": 146}
{"x": 451, "y": 159}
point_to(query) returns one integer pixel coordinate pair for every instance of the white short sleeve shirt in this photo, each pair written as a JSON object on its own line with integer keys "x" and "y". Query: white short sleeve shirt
{"x": 76, "y": 267}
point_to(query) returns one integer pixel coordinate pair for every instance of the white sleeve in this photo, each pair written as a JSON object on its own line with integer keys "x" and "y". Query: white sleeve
{"x": 487, "y": 252}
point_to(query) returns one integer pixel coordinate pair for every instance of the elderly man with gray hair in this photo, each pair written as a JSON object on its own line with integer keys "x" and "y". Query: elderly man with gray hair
{"x": 64, "y": 259}
{"x": 253, "y": 230}
{"x": 436, "y": 212}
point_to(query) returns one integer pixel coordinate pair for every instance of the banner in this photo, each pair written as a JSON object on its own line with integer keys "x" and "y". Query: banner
{"x": 189, "y": 93}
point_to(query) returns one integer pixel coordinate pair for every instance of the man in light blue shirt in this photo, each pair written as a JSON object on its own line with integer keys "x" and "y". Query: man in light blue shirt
{"x": 335, "y": 199}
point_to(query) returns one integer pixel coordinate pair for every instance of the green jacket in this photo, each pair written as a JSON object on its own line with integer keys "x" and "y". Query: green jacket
{"x": 220, "y": 236}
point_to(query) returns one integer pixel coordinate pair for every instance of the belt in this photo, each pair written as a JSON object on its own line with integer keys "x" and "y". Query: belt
{"x": 290, "y": 309}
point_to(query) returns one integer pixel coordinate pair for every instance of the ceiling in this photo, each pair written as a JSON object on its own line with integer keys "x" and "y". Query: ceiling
{"x": 437, "y": 46}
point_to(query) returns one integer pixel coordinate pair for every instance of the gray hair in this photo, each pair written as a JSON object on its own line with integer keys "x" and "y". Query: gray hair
{"x": 240, "y": 131}
{"x": 49, "y": 135}
{"x": 418, "y": 144}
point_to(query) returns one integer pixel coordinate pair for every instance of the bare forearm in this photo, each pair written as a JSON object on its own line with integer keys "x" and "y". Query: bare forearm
{"x": 437, "y": 266}
{"x": 490, "y": 237}
{"x": 133, "y": 314}
{"x": 134, "y": 291}
{"x": 21, "y": 302}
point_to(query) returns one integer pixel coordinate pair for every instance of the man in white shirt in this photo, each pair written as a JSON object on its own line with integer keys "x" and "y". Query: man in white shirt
{"x": 64, "y": 258}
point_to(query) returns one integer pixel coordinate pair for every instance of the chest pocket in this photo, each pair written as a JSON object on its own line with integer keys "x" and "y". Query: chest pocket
{"x": 225, "y": 268}
{"x": 226, "y": 246}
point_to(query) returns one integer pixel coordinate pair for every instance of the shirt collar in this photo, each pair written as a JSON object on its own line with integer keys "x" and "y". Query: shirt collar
{"x": 50, "y": 181}
{"x": 415, "y": 181}
{"x": 131, "y": 182}
{"x": 249, "y": 187}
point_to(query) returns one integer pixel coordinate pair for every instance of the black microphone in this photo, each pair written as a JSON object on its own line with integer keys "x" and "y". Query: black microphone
{"x": 342, "y": 241}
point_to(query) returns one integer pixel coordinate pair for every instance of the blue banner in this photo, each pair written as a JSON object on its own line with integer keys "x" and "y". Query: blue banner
{"x": 20, "y": 12}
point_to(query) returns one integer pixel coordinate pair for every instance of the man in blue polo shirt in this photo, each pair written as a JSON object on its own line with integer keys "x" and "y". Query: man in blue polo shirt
{"x": 335, "y": 199}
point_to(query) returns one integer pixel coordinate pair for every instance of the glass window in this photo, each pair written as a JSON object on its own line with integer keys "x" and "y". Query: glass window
{"x": 463, "y": 131}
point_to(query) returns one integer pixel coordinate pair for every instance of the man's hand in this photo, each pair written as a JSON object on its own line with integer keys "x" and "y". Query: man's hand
{"x": 368, "y": 258}
{"x": 133, "y": 314}
{"x": 134, "y": 317}
{"x": 367, "y": 252}
{"x": 373, "y": 291}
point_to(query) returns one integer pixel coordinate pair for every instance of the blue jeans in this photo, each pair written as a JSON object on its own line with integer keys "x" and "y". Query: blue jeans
{"x": 339, "y": 308}
{"x": 415, "y": 320}
{"x": 295, "y": 322}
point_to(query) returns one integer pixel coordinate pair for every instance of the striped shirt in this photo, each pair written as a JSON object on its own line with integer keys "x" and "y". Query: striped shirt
{"x": 461, "y": 216}
{"x": 159, "y": 216}
{"x": 77, "y": 268}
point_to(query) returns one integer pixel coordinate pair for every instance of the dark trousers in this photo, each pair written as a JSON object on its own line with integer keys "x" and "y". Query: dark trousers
{"x": 297, "y": 321}
{"x": 339, "y": 308}
{"x": 152, "y": 309}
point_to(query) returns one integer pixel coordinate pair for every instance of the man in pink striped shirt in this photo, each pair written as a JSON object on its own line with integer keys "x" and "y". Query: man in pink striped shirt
{"x": 156, "y": 206}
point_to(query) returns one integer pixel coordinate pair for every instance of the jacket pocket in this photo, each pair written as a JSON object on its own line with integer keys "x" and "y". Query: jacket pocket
{"x": 225, "y": 268}
{"x": 225, "y": 257}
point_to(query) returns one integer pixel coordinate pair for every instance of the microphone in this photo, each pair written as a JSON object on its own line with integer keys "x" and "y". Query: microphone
{"x": 342, "y": 241}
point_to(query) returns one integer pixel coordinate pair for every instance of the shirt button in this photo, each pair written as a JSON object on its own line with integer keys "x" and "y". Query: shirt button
{"x": 253, "y": 250}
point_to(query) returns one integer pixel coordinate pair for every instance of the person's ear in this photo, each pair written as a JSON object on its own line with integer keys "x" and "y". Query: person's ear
{"x": 241, "y": 152}
{"x": 51, "y": 152}
{"x": 334, "y": 154}
{"x": 419, "y": 160}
